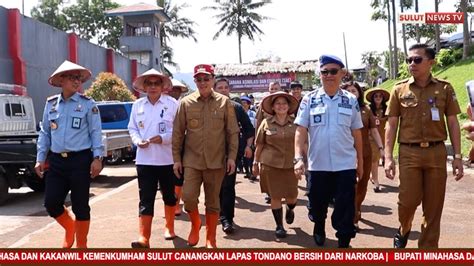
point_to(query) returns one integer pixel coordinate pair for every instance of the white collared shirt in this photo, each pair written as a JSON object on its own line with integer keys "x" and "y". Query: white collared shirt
{"x": 148, "y": 120}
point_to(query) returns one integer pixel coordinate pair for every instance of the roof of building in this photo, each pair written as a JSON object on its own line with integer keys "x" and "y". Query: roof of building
{"x": 139, "y": 9}
{"x": 265, "y": 67}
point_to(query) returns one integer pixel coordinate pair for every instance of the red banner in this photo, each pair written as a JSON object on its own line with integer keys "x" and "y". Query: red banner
{"x": 173, "y": 256}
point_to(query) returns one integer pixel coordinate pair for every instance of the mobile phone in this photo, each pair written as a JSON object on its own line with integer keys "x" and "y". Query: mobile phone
{"x": 470, "y": 92}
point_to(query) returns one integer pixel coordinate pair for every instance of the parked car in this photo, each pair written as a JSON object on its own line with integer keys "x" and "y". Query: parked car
{"x": 117, "y": 142}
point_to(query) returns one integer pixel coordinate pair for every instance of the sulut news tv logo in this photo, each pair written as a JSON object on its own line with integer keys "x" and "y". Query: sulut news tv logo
{"x": 432, "y": 18}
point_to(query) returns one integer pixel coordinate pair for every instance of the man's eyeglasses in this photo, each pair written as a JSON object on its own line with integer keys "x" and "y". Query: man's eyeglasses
{"x": 153, "y": 83}
{"x": 416, "y": 59}
{"x": 202, "y": 79}
{"x": 72, "y": 77}
{"x": 332, "y": 71}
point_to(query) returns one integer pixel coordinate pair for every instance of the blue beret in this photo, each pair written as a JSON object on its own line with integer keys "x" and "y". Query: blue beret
{"x": 330, "y": 59}
{"x": 245, "y": 98}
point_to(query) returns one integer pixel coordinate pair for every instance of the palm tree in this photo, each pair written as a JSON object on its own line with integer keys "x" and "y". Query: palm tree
{"x": 437, "y": 31}
{"x": 395, "y": 48}
{"x": 466, "y": 32}
{"x": 238, "y": 16}
{"x": 379, "y": 7}
{"x": 178, "y": 26}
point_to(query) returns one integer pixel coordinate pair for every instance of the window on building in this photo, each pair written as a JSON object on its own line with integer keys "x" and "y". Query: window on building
{"x": 138, "y": 29}
{"x": 157, "y": 31}
{"x": 14, "y": 109}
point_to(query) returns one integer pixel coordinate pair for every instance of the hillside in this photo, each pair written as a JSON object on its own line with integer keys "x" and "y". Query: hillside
{"x": 457, "y": 74}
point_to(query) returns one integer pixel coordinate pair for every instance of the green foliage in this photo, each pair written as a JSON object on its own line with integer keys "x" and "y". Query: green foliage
{"x": 238, "y": 16}
{"x": 427, "y": 31}
{"x": 446, "y": 57}
{"x": 86, "y": 18}
{"x": 109, "y": 87}
{"x": 178, "y": 26}
{"x": 403, "y": 72}
{"x": 48, "y": 12}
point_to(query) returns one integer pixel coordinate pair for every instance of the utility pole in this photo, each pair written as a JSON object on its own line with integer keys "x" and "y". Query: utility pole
{"x": 345, "y": 51}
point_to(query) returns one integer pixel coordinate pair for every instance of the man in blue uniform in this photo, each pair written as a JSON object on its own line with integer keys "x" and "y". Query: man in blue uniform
{"x": 71, "y": 140}
{"x": 332, "y": 119}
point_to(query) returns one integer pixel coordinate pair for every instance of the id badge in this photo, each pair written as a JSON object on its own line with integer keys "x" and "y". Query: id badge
{"x": 76, "y": 122}
{"x": 162, "y": 127}
{"x": 435, "y": 114}
{"x": 318, "y": 110}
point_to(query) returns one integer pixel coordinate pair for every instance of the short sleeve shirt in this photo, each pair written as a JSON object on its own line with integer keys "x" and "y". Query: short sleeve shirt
{"x": 330, "y": 122}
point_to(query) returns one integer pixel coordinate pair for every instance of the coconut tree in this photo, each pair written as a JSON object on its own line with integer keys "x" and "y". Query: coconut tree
{"x": 239, "y": 17}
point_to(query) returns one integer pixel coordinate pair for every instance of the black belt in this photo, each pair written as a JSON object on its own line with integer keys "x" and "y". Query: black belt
{"x": 70, "y": 153}
{"x": 423, "y": 144}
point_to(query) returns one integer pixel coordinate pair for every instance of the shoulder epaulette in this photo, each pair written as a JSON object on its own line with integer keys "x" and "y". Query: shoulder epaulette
{"x": 52, "y": 98}
{"x": 441, "y": 80}
{"x": 402, "y": 81}
{"x": 85, "y": 97}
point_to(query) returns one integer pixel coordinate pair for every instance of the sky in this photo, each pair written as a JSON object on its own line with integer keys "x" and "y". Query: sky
{"x": 298, "y": 30}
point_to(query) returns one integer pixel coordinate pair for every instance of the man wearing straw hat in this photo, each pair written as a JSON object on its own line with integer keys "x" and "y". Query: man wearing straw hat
{"x": 207, "y": 127}
{"x": 71, "y": 139}
{"x": 178, "y": 89}
{"x": 151, "y": 129}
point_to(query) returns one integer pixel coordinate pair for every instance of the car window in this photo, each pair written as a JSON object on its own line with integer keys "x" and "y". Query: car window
{"x": 113, "y": 113}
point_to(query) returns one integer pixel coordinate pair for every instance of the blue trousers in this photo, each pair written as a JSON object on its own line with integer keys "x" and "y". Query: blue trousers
{"x": 340, "y": 185}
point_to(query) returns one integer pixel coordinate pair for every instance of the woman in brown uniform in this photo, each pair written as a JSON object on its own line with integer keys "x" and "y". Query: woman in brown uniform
{"x": 369, "y": 127}
{"x": 274, "y": 155}
{"x": 378, "y": 105}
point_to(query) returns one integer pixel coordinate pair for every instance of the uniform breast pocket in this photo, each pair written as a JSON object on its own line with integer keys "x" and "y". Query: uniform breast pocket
{"x": 78, "y": 120}
{"x": 217, "y": 118}
{"x": 344, "y": 117}
{"x": 194, "y": 120}
{"x": 317, "y": 116}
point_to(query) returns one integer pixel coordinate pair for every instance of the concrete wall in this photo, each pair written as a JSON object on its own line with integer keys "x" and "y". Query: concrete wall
{"x": 6, "y": 69}
{"x": 44, "y": 48}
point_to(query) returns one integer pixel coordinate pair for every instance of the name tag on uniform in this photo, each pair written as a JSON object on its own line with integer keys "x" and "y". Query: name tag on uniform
{"x": 76, "y": 122}
{"x": 162, "y": 127}
{"x": 318, "y": 110}
{"x": 344, "y": 110}
{"x": 435, "y": 114}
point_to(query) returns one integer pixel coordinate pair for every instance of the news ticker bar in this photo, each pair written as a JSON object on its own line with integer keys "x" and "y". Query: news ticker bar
{"x": 432, "y": 18}
{"x": 465, "y": 256}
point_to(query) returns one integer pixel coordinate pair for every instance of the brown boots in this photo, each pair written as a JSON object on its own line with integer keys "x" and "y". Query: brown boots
{"x": 67, "y": 222}
{"x": 145, "y": 232}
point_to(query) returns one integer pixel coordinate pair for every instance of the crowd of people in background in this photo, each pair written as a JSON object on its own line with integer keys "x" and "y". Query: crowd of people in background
{"x": 337, "y": 136}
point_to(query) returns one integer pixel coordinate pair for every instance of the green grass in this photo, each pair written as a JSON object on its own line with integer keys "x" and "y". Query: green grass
{"x": 457, "y": 74}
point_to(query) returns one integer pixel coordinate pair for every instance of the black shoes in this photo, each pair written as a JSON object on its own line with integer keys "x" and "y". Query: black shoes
{"x": 280, "y": 232}
{"x": 343, "y": 242}
{"x": 227, "y": 226}
{"x": 377, "y": 189}
{"x": 138, "y": 244}
{"x": 400, "y": 241}
{"x": 268, "y": 199}
{"x": 319, "y": 235}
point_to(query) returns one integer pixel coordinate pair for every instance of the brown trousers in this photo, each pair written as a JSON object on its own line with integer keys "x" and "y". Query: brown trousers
{"x": 422, "y": 180}
{"x": 361, "y": 186}
{"x": 193, "y": 179}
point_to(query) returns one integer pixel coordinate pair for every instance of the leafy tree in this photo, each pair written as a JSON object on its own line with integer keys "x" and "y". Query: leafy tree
{"x": 109, "y": 87}
{"x": 238, "y": 16}
{"x": 371, "y": 60}
{"x": 48, "y": 11}
{"x": 178, "y": 26}
{"x": 382, "y": 12}
{"x": 87, "y": 19}
{"x": 427, "y": 31}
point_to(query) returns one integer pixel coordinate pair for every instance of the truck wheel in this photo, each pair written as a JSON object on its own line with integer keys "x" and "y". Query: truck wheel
{"x": 35, "y": 185}
{"x": 3, "y": 189}
{"x": 115, "y": 158}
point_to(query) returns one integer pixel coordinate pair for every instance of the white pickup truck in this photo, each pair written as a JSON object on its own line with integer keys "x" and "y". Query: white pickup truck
{"x": 18, "y": 137}
{"x": 117, "y": 142}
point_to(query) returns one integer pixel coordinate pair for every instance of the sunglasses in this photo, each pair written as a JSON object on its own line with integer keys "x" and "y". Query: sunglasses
{"x": 416, "y": 59}
{"x": 202, "y": 79}
{"x": 72, "y": 77}
{"x": 332, "y": 71}
{"x": 153, "y": 83}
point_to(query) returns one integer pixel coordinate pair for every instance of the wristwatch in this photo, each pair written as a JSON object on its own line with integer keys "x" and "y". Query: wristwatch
{"x": 458, "y": 156}
{"x": 100, "y": 158}
{"x": 297, "y": 159}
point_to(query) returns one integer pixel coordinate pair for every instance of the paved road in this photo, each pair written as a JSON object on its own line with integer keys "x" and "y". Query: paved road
{"x": 114, "y": 219}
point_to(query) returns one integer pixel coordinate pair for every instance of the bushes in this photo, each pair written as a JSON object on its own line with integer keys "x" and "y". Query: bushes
{"x": 109, "y": 87}
{"x": 447, "y": 57}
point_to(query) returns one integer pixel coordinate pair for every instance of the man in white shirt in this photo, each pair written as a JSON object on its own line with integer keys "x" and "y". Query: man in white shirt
{"x": 151, "y": 128}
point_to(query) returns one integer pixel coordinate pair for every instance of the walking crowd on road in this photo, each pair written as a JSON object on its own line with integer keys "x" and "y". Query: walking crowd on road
{"x": 330, "y": 135}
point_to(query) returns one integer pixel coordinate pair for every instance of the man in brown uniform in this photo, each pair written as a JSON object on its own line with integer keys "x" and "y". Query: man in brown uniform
{"x": 206, "y": 124}
{"x": 421, "y": 104}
